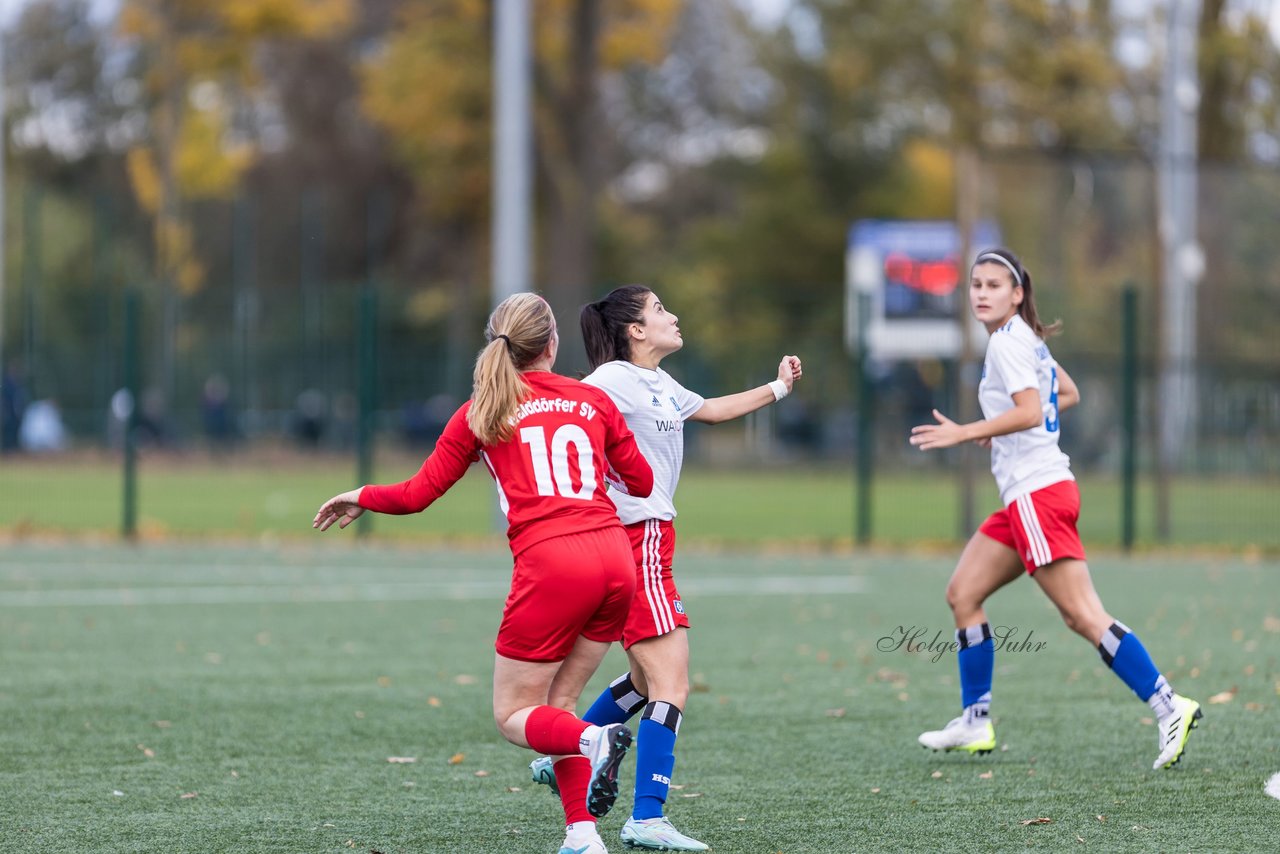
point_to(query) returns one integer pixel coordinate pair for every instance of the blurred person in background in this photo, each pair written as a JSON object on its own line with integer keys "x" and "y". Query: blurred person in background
{"x": 1022, "y": 392}
{"x": 13, "y": 403}
{"x": 627, "y": 334}
{"x": 549, "y": 442}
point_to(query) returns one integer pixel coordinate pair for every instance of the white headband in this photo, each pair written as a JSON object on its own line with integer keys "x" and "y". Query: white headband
{"x": 1000, "y": 259}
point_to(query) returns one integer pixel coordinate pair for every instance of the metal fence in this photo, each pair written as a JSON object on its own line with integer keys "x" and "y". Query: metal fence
{"x": 265, "y": 342}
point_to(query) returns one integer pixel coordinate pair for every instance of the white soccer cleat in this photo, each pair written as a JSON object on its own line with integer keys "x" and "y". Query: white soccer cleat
{"x": 657, "y": 834}
{"x": 977, "y": 737}
{"x": 605, "y": 752}
{"x": 1173, "y": 730}
{"x": 583, "y": 843}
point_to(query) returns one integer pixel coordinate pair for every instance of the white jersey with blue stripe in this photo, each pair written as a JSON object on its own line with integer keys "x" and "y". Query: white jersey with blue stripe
{"x": 1017, "y": 359}
{"x": 655, "y": 407}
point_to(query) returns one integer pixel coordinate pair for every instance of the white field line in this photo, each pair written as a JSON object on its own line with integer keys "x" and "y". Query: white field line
{"x": 405, "y": 591}
{"x": 1273, "y": 787}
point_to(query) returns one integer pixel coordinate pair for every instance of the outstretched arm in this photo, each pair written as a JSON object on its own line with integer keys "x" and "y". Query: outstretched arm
{"x": 717, "y": 409}
{"x": 343, "y": 508}
{"x": 947, "y": 433}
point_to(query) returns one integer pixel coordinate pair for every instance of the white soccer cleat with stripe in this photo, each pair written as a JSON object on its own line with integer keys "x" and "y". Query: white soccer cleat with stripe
{"x": 657, "y": 834}
{"x": 977, "y": 737}
{"x": 1173, "y": 730}
{"x": 578, "y": 842}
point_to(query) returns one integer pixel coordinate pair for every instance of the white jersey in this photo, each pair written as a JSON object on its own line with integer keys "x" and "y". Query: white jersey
{"x": 1022, "y": 462}
{"x": 655, "y": 407}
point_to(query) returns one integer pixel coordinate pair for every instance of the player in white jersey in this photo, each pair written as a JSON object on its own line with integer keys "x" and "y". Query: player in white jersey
{"x": 626, "y": 335}
{"x": 1022, "y": 392}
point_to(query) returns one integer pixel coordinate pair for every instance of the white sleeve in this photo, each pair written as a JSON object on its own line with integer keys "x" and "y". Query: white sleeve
{"x": 1014, "y": 361}
{"x": 615, "y": 383}
{"x": 687, "y": 402}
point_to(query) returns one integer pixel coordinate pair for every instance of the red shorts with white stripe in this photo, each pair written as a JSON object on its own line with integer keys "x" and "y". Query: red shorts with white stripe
{"x": 656, "y": 609}
{"x": 571, "y": 585}
{"x": 1040, "y": 526}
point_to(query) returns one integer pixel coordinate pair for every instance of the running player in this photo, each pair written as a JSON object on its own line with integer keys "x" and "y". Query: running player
{"x": 1022, "y": 392}
{"x": 627, "y": 334}
{"x": 548, "y": 441}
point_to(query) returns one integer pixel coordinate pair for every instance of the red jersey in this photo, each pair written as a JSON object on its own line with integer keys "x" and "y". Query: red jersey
{"x": 550, "y": 475}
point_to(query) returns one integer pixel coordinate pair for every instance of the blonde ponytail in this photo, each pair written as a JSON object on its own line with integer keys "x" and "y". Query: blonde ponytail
{"x": 518, "y": 331}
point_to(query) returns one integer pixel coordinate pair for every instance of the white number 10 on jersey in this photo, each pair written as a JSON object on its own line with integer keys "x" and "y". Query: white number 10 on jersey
{"x": 556, "y": 462}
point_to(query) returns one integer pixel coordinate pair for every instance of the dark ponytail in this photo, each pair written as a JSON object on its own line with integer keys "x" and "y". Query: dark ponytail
{"x": 604, "y": 324}
{"x": 1021, "y": 276}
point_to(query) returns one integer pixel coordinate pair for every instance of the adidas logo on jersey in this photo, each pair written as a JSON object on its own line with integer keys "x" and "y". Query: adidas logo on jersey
{"x": 656, "y": 402}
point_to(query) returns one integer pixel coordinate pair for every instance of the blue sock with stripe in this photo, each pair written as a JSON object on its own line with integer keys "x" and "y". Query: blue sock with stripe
{"x": 655, "y": 758}
{"x": 616, "y": 704}
{"x": 1128, "y": 659}
{"x": 977, "y": 660}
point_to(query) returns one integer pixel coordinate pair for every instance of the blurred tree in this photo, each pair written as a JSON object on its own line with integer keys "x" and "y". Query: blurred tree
{"x": 430, "y": 88}
{"x": 201, "y": 88}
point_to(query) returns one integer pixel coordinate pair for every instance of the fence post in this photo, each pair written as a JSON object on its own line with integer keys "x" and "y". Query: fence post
{"x": 368, "y": 395}
{"x": 866, "y": 428}
{"x": 127, "y": 412}
{"x": 1128, "y": 415}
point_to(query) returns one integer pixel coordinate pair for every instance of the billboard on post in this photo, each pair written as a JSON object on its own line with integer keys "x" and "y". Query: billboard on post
{"x": 904, "y": 287}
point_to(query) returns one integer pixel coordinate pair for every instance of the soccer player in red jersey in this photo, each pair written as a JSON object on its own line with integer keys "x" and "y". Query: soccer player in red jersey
{"x": 627, "y": 335}
{"x": 550, "y": 442}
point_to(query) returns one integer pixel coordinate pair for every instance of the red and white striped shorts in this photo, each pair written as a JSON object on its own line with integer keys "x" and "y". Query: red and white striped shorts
{"x": 1040, "y": 526}
{"x": 656, "y": 609}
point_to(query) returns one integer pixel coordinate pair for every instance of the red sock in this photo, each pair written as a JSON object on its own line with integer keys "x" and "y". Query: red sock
{"x": 572, "y": 775}
{"x": 554, "y": 731}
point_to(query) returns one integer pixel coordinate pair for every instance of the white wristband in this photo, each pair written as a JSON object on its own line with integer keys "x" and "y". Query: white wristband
{"x": 779, "y": 389}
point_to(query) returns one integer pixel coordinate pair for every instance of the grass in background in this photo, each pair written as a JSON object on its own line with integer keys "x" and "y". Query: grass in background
{"x": 248, "y": 498}
{"x": 203, "y": 699}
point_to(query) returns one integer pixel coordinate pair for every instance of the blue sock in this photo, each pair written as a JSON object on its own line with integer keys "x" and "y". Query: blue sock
{"x": 616, "y": 704}
{"x": 655, "y": 758}
{"x": 1128, "y": 659}
{"x": 977, "y": 660}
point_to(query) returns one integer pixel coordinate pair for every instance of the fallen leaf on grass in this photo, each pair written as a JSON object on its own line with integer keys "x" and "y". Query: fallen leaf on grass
{"x": 482, "y": 773}
{"x": 875, "y": 791}
{"x": 456, "y": 759}
{"x": 986, "y": 775}
{"x": 1223, "y": 697}
{"x": 1080, "y": 839}
{"x": 936, "y": 774}
{"x": 161, "y": 724}
{"x": 1102, "y": 818}
{"x": 513, "y": 788}
{"x": 407, "y": 760}
{"x": 433, "y": 702}
{"x": 464, "y": 679}
{"x": 186, "y": 796}
{"x": 147, "y": 751}
{"x": 1041, "y": 820}
{"x": 692, "y": 795}
{"x": 1271, "y": 624}
{"x": 835, "y": 713}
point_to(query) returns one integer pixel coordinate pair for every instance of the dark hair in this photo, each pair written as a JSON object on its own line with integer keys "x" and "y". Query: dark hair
{"x": 604, "y": 324}
{"x": 1021, "y": 277}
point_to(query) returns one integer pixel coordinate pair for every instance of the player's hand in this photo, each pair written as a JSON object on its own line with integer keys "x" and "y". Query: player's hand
{"x": 343, "y": 508}
{"x": 790, "y": 370}
{"x": 945, "y": 434}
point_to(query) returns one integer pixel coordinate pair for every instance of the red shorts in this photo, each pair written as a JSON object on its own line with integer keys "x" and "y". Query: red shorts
{"x": 1040, "y": 526}
{"x": 577, "y": 584}
{"x": 656, "y": 609}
